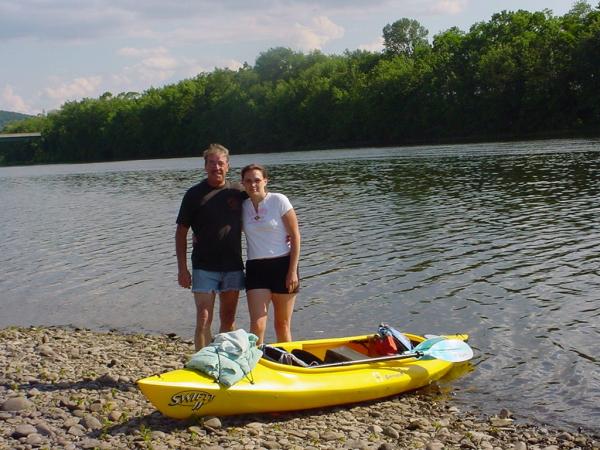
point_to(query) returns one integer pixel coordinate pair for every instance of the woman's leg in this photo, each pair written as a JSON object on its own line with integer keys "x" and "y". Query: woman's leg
{"x": 258, "y": 307}
{"x": 283, "y": 307}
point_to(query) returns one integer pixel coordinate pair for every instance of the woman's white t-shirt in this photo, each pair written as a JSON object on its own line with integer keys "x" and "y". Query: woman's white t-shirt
{"x": 266, "y": 236}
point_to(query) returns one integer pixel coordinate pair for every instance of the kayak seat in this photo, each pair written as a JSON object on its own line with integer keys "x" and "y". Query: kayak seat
{"x": 307, "y": 357}
{"x": 343, "y": 353}
{"x": 282, "y": 356}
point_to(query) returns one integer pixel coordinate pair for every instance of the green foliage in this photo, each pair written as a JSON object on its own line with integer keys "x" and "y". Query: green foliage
{"x": 7, "y": 117}
{"x": 404, "y": 36}
{"x": 519, "y": 74}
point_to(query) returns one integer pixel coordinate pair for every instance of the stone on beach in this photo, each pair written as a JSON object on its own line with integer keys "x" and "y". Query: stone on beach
{"x": 16, "y": 404}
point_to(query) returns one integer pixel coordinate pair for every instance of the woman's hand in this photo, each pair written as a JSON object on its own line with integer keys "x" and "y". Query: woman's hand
{"x": 291, "y": 281}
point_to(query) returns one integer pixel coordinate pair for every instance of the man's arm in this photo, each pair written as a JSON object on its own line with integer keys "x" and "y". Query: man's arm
{"x": 184, "y": 277}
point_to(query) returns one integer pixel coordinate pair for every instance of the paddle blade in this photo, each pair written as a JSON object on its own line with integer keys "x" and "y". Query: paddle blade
{"x": 428, "y": 343}
{"x": 400, "y": 337}
{"x": 451, "y": 350}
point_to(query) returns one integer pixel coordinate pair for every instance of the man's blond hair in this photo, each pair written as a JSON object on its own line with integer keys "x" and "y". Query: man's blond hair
{"x": 216, "y": 149}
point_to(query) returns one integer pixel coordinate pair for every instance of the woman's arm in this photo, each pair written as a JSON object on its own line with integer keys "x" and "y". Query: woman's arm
{"x": 290, "y": 222}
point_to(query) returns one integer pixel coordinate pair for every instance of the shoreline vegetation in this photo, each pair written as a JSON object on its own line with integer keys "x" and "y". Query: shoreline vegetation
{"x": 73, "y": 388}
{"x": 520, "y": 75}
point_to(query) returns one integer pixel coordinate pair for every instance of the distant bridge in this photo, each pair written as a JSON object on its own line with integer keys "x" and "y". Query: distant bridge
{"x": 11, "y": 137}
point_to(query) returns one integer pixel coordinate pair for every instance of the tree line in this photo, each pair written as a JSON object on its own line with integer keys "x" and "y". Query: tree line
{"x": 520, "y": 74}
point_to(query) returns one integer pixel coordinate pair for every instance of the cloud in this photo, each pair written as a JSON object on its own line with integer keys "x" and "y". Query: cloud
{"x": 170, "y": 20}
{"x": 199, "y": 19}
{"x": 160, "y": 62}
{"x": 313, "y": 36}
{"x": 60, "y": 19}
{"x": 231, "y": 64}
{"x": 151, "y": 65}
{"x": 444, "y": 7}
{"x": 375, "y": 46}
{"x": 11, "y": 101}
{"x": 141, "y": 52}
{"x": 77, "y": 88}
{"x": 190, "y": 68}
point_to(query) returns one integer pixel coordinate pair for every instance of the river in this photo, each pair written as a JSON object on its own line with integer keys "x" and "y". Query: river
{"x": 498, "y": 240}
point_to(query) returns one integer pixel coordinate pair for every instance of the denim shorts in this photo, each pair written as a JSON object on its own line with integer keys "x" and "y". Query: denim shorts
{"x": 208, "y": 281}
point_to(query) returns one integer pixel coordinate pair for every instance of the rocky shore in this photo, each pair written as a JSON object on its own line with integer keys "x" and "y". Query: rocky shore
{"x": 63, "y": 388}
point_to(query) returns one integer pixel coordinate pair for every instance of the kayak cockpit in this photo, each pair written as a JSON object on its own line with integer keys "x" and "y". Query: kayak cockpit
{"x": 359, "y": 350}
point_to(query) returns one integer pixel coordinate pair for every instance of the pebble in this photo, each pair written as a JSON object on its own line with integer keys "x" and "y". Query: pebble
{"x": 498, "y": 422}
{"x": 386, "y": 446}
{"x": 75, "y": 389}
{"x": 44, "y": 429}
{"x": 76, "y": 430}
{"x": 71, "y": 422}
{"x": 375, "y": 429}
{"x": 434, "y": 445}
{"x": 331, "y": 436}
{"x": 391, "y": 432}
{"x": 91, "y": 422}
{"x": 213, "y": 422}
{"x": 197, "y": 430}
{"x": 34, "y": 439}
{"x": 24, "y": 430}
{"x": 16, "y": 404}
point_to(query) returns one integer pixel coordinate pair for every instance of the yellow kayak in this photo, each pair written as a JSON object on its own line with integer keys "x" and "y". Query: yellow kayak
{"x": 345, "y": 373}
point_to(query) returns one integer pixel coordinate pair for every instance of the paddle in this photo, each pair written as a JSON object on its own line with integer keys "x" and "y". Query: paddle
{"x": 451, "y": 350}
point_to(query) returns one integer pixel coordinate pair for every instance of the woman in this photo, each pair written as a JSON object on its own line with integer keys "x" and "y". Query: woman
{"x": 273, "y": 250}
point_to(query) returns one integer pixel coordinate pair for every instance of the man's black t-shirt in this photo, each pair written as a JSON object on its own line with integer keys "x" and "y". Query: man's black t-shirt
{"x": 215, "y": 216}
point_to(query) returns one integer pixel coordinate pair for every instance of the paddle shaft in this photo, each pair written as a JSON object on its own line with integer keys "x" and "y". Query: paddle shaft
{"x": 450, "y": 350}
{"x": 369, "y": 360}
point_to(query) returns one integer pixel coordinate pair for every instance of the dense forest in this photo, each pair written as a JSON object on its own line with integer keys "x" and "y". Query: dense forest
{"x": 520, "y": 74}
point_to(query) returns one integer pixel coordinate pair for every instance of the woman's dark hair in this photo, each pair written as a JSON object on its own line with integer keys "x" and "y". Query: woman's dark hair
{"x": 255, "y": 167}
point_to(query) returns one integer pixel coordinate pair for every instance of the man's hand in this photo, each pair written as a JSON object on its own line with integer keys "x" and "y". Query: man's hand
{"x": 185, "y": 279}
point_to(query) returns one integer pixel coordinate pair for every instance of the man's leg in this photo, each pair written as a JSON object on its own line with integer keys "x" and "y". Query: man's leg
{"x": 227, "y": 308}
{"x": 205, "y": 304}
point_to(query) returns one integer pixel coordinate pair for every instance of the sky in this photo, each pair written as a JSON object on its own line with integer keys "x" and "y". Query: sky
{"x": 54, "y": 51}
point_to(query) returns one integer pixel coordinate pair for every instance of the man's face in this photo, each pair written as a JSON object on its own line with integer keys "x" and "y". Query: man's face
{"x": 216, "y": 167}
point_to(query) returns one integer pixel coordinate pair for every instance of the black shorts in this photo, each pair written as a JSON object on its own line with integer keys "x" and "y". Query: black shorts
{"x": 269, "y": 274}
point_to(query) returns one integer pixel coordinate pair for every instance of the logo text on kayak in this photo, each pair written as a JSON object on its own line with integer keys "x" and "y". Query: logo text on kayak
{"x": 195, "y": 399}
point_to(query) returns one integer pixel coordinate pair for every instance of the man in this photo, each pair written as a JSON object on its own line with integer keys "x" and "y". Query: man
{"x": 212, "y": 209}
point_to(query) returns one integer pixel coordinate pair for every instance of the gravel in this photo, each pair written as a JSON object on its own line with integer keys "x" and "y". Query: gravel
{"x": 75, "y": 389}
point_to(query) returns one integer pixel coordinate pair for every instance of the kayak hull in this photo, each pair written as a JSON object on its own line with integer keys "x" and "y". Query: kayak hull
{"x": 274, "y": 387}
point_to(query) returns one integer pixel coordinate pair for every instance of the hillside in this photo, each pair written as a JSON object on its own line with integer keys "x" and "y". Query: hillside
{"x": 8, "y": 116}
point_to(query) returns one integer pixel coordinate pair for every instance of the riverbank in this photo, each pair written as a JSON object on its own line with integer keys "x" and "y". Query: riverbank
{"x": 72, "y": 388}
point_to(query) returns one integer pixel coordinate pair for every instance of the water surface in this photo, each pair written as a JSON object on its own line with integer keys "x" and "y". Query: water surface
{"x": 497, "y": 240}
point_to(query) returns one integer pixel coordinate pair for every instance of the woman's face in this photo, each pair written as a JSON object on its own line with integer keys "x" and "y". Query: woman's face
{"x": 254, "y": 183}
